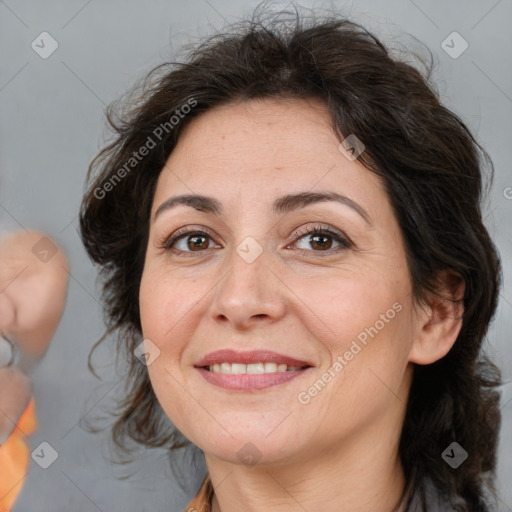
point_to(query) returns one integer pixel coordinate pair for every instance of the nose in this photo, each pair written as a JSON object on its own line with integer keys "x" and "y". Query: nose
{"x": 249, "y": 294}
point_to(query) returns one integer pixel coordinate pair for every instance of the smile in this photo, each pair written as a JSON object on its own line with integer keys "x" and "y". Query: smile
{"x": 250, "y": 381}
{"x": 249, "y": 370}
{"x": 253, "y": 368}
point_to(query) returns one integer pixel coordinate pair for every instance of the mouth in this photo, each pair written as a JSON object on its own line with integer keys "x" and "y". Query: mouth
{"x": 253, "y": 370}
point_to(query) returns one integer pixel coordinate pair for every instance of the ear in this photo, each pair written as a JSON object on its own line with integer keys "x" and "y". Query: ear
{"x": 440, "y": 322}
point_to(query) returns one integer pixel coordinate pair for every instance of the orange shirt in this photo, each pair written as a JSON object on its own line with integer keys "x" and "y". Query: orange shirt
{"x": 14, "y": 458}
{"x": 203, "y": 499}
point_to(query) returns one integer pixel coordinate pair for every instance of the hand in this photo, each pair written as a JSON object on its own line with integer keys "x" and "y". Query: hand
{"x": 32, "y": 298}
{"x": 32, "y": 293}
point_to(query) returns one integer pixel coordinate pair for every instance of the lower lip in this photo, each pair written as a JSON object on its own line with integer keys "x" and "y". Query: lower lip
{"x": 249, "y": 381}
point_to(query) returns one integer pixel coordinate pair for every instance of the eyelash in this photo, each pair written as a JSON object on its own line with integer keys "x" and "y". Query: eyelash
{"x": 344, "y": 241}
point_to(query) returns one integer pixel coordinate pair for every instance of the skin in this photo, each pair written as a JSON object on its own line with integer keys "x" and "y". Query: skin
{"x": 32, "y": 299}
{"x": 339, "y": 451}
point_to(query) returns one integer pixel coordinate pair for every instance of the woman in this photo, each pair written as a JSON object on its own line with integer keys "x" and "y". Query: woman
{"x": 293, "y": 254}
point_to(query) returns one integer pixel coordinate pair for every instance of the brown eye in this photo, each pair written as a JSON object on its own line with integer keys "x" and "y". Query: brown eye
{"x": 322, "y": 242}
{"x": 320, "y": 239}
{"x": 186, "y": 242}
{"x": 197, "y": 242}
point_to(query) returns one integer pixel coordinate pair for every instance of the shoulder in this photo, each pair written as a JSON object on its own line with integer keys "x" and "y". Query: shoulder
{"x": 202, "y": 501}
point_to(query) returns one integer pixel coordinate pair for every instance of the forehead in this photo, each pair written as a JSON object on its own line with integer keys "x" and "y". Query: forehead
{"x": 265, "y": 147}
{"x": 268, "y": 128}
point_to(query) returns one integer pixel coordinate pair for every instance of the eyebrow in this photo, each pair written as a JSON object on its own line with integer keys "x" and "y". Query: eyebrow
{"x": 282, "y": 205}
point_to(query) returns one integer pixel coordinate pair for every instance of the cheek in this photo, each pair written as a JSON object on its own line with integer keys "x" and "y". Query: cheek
{"x": 351, "y": 306}
{"x": 363, "y": 323}
{"x": 165, "y": 310}
{"x": 166, "y": 307}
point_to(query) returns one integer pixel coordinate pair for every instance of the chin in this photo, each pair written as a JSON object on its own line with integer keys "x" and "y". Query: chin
{"x": 251, "y": 451}
{"x": 251, "y": 441}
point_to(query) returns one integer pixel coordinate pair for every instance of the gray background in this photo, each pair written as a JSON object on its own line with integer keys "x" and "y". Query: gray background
{"x": 52, "y": 124}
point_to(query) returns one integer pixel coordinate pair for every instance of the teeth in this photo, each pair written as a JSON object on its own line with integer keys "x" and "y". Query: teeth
{"x": 256, "y": 368}
{"x": 238, "y": 368}
{"x": 253, "y": 368}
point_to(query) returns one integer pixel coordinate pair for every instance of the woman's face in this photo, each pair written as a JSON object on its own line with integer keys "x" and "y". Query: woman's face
{"x": 337, "y": 301}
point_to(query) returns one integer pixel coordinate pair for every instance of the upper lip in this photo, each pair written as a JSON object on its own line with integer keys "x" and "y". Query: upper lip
{"x": 253, "y": 356}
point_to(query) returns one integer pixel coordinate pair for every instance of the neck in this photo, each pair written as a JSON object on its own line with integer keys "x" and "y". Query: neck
{"x": 352, "y": 478}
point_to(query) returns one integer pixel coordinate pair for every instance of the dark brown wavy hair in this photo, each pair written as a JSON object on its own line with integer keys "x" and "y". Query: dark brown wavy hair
{"x": 425, "y": 156}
